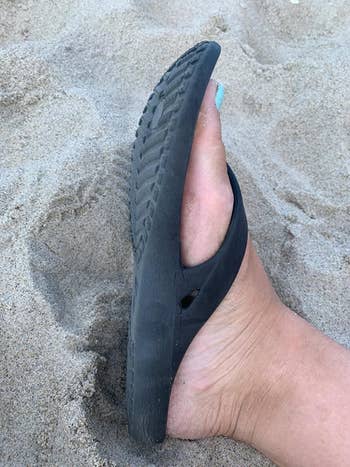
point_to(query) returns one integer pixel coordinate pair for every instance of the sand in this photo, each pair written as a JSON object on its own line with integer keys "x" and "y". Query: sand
{"x": 74, "y": 76}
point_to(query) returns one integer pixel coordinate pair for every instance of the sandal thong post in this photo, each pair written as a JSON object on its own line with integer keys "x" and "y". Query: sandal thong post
{"x": 170, "y": 302}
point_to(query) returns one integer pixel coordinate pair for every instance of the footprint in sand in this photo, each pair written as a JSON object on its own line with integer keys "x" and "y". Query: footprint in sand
{"x": 80, "y": 260}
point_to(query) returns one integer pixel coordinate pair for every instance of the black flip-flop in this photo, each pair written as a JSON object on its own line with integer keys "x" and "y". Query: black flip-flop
{"x": 170, "y": 302}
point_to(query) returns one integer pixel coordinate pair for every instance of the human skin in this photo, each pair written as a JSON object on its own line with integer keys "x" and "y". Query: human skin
{"x": 256, "y": 371}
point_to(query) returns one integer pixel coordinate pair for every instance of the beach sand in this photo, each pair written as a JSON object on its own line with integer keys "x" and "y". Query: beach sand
{"x": 74, "y": 77}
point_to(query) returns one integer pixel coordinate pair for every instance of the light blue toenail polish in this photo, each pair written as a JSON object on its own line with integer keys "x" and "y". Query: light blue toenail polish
{"x": 219, "y": 96}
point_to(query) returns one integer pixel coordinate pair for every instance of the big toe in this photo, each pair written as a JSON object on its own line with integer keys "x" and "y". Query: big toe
{"x": 208, "y": 199}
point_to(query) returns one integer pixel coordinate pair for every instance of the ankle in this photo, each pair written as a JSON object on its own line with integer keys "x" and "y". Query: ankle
{"x": 272, "y": 371}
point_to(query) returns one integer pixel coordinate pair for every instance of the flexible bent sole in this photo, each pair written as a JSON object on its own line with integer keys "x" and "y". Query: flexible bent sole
{"x": 170, "y": 302}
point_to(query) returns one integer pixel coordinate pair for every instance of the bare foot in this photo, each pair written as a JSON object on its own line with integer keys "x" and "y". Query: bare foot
{"x": 225, "y": 375}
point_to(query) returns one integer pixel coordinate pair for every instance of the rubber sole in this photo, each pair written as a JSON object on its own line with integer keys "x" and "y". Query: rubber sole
{"x": 170, "y": 303}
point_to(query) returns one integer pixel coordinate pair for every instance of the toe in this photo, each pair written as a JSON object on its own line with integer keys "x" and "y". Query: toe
{"x": 208, "y": 128}
{"x": 208, "y": 199}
